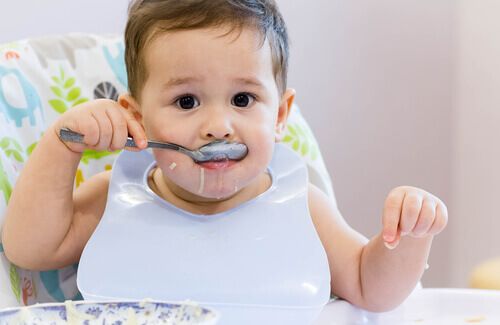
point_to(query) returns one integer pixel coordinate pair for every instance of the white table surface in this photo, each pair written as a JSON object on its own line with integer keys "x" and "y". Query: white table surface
{"x": 423, "y": 306}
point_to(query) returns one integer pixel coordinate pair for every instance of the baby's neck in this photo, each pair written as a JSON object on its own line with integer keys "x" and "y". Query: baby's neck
{"x": 172, "y": 193}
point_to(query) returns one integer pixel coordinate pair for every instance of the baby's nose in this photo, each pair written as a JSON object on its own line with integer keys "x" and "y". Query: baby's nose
{"x": 217, "y": 125}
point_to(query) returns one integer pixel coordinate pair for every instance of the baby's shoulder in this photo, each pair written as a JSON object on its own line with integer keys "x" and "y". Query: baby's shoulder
{"x": 318, "y": 198}
{"x": 321, "y": 206}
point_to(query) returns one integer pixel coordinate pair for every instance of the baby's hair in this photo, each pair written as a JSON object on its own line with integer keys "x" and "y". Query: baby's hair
{"x": 149, "y": 18}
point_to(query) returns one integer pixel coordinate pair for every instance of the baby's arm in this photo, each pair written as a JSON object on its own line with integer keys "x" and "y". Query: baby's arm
{"x": 47, "y": 225}
{"x": 367, "y": 273}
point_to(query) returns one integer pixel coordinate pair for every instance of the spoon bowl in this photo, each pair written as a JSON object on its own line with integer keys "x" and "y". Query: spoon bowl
{"x": 232, "y": 150}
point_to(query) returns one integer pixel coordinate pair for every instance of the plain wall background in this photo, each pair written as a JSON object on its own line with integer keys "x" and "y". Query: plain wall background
{"x": 374, "y": 80}
{"x": 397, "y": 93}
{"x": 476, "y": 154}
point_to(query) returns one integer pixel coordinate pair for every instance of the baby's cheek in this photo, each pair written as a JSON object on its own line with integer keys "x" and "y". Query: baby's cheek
{"x": 167, "y": 134}
{"x": 157, "y": 130}
{"x": 262, "y": 152}
{"x": 182, "y": 175}
{"x": 169, "y": 160}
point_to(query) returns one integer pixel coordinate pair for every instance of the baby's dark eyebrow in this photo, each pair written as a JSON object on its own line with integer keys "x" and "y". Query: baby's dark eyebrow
{"x": 249, "y": 81}
{"x": 172, "y": 82}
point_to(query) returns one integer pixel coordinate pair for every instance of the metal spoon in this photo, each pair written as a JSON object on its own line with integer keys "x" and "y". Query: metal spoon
{"x": 220, "y": 150}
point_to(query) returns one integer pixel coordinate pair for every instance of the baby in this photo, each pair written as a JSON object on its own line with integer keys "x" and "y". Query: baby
{"x": 201, "y": 71}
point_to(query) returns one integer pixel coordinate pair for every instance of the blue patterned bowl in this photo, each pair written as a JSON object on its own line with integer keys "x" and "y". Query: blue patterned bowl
{"x": 112, "y": 313}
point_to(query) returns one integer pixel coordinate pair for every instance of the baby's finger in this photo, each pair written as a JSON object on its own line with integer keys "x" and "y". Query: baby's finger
{"x": 119, "y": 123}
{"x": 395, "y": 242}
{"x": 89, "y": 127}
{"x": 136, "y": 131}
{"x": 440, "y": 221}
{"x": 425, "y": 219}
{"x": 105, "y": 131}
{"x": 410, "y": 211}
{"x": 391, "y": 215}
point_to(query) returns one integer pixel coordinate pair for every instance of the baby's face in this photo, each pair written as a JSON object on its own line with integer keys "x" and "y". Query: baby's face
{"x": 204, "y": 87}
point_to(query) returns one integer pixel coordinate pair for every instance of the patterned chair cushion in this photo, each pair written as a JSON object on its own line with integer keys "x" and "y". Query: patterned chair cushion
{"x": 40, "y": 79}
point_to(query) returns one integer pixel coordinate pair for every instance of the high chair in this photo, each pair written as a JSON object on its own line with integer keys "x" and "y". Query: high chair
{"x": 41, "y": 78}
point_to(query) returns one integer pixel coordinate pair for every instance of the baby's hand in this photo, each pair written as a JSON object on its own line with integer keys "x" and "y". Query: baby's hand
{"x": 104, "y": 124}
{"x": 409, "y": 211}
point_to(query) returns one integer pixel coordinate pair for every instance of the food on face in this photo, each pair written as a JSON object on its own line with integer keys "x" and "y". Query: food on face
{"x": 172, "y": 166}
{"x": 202, "y": 181}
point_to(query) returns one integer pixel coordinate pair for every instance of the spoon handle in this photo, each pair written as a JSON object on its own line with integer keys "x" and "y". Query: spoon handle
{"x": 154, "y": 144}
{"x": 68, "y": 135}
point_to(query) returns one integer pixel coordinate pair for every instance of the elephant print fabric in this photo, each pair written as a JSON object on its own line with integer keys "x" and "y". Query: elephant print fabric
{"x": 5, "y": 187}
{"x": 10, "y": 77}
{"x": 41, "y": 78}
{"x": 117, "y": 63}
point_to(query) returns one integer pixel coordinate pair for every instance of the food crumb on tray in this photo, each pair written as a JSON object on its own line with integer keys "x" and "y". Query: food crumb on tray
{"x": 468, "y": 320}
{"x": 475, "y": 320}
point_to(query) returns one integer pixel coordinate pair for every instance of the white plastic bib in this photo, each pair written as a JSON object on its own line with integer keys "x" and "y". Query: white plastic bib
{"x": 259, "y": 263}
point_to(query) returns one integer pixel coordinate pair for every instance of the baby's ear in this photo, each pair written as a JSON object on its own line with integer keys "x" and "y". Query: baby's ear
{"x": 283, "y": 113}
{"x": 131, "y": 106}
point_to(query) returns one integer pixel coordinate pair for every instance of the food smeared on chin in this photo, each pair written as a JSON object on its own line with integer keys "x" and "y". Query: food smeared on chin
{"x": 202, "y": 181}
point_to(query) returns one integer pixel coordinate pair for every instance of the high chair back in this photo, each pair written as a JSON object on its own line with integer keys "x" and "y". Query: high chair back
{"x": 41, "y": 78}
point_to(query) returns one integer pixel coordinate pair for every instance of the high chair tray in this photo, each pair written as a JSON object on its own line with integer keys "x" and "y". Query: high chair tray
{"x": 424, "y": 306}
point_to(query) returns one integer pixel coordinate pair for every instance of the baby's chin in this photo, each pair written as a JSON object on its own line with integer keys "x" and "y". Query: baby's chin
{"x": 216, "y": 194}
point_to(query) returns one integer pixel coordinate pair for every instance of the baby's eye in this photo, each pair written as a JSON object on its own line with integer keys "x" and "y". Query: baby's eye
{"x": 242, "y": 100}
{"x": 187, "y": 102}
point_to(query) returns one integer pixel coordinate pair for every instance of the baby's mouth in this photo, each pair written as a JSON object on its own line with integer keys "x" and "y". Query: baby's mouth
{"x": 219, "y": 150}
{"x": 219, "y": 161}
